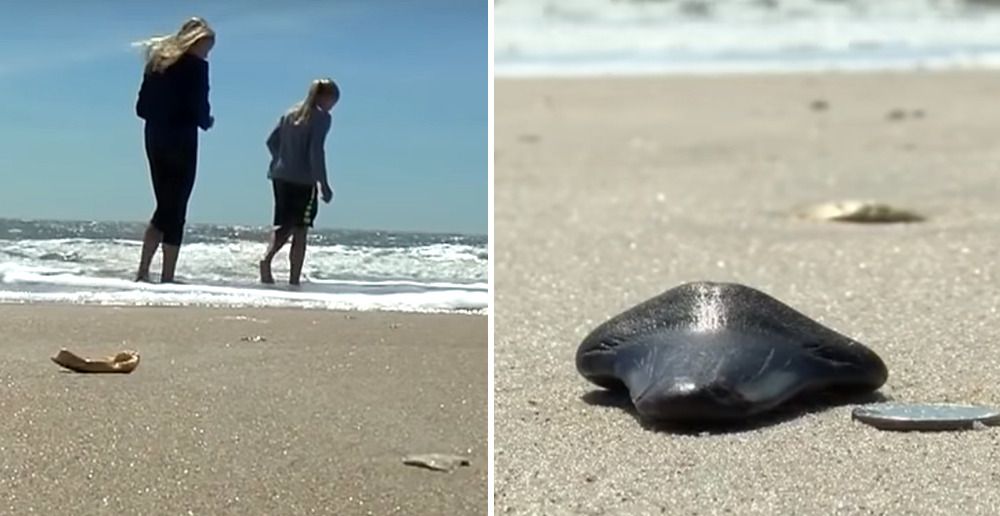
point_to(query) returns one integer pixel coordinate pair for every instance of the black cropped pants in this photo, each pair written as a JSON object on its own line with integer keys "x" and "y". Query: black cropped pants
{"x": 173, "y": 161}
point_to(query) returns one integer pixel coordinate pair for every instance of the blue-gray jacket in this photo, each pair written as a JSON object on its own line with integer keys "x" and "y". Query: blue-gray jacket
{"x": 297, "y": 153}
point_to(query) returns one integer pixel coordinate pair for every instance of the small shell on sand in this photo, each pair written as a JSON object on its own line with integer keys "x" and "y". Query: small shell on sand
{"x": 868, "y": 212}
{"x": 122, "y": 362}
{"x": 436, "y": 461}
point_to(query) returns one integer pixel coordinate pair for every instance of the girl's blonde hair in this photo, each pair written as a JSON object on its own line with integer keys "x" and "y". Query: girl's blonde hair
{"x": 162, "y": 51}
{"x": 317, "y": 88}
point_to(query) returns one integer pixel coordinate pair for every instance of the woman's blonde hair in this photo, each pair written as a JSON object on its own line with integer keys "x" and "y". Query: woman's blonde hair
{"x": 317, "y": 88}
{"x": 162, "y": 51}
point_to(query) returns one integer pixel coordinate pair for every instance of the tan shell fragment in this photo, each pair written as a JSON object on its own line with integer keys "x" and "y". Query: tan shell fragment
{"x": 867, "y": 212}
{"x": 123, "y": 362}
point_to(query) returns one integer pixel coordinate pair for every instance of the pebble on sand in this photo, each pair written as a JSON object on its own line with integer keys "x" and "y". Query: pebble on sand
{"x": 436, "y": 461}
{"x": 819, "y": 105}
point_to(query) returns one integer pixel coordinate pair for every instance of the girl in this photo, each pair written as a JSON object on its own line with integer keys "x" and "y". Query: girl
{"x": 173, "y": 101}
{"x": 297, "y": 171}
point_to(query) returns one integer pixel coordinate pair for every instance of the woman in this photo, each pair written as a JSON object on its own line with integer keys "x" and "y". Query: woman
{"x": 173, "y": 101}
{"x": 297, "y": 172}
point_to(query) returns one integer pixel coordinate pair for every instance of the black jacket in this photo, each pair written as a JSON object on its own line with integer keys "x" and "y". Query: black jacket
{"x": 176, "y": 97}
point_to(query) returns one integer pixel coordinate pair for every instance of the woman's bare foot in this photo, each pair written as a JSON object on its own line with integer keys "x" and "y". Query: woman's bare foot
{"x": 122, "y": 362}
{"x": 265, "y": 272}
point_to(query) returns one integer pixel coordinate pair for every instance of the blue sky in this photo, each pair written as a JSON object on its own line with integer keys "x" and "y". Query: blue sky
{"x": 408, "y": 149}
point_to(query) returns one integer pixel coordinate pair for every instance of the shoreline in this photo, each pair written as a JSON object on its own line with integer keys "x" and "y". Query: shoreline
{"x": 482, "y": 312}
{"x": 84, "y": 262}
{"x": 571, "y": 74}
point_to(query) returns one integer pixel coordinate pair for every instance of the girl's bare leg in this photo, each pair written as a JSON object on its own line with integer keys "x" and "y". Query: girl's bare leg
{"x": 297, "y": 256}
{"x": 170, "y": 253}
{"x": 278, "y": 238}
{"x": 150, "y": 242}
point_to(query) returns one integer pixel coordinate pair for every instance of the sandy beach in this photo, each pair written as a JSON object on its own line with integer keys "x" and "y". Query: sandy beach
{"x": 610, "y": 191}
{"x": 314, "y": 418}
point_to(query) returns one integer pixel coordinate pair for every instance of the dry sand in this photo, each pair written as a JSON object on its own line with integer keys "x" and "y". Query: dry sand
{"x": 313, "y": 420}
{"x": 608, "y": 192}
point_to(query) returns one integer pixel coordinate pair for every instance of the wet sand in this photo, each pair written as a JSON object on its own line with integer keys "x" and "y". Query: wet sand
{"x": 313, "y": 419}
{"x": 609, "y": 191}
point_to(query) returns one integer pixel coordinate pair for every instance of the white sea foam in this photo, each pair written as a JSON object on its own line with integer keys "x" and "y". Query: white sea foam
{"x": 591, "y": 37}
{"x": 235, "y": 260}
{"x": 435, "y": 277}
{"x": 29, "y": 284}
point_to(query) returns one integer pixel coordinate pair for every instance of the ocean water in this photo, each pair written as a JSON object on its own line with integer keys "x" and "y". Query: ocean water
{"x": 606, "y": 37}
{"x": 94, "y": 262}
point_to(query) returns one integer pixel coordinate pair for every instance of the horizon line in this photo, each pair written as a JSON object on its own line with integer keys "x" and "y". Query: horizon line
{"x": 328, "y": 228}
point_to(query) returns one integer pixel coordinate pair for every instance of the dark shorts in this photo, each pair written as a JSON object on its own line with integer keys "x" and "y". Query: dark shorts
{"x": 173, "y": 161}
{"x": 294, "y": 204}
